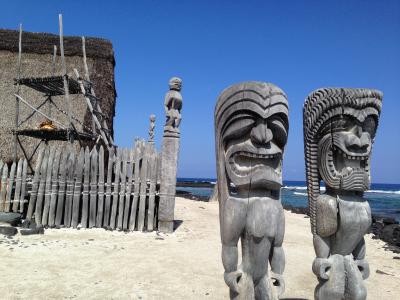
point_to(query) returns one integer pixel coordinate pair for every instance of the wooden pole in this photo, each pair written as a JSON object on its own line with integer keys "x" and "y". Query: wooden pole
{"x": 53, "y": 74}
{"x": 97, "y": 106}
{"x": 64, "y": 74}
{"x": 18, "y": 89}
{"x": 87, "y": 78}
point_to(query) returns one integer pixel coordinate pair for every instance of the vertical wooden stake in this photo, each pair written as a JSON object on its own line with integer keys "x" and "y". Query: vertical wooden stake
{"x": 16, "y": 99}
{"x": 65, "y": 76}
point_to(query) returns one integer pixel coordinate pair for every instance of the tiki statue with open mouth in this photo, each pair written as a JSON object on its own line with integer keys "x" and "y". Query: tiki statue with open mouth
{"x": 339, "y": 129}
{"x": 251, "y": 130}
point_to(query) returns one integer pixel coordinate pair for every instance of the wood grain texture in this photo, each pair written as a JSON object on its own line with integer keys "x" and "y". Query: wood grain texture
{"x": 10, "y": 186}
{"x": 93, "y": 187}
{"x": 54, "y": 188}
{"x": 77, "y": 188}
{"x": 42, "y": 185}
{"x": 122, "y": 189}
{"x": 35, "y": 185}
{"x": 61, "y": 188}
{"x": 70, "y": 187}
{"x": 107, "y": 206}
{"x": 100, "y": 193}
{"x": 47, "y": 195}
{"x": 85, "y": 194}
{"x": 116, "y": 190}
{"x": 136, "y": 187}
{"x": 23, "y": 186}
{"x": 143, "y": 189}
{"x": 18, "y": 183}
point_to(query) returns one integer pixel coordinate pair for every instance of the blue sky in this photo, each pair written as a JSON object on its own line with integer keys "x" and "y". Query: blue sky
{"x": 298, "y": 45}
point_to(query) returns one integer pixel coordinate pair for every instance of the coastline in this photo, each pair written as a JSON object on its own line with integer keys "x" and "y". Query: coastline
{"x": 383, "y": 228}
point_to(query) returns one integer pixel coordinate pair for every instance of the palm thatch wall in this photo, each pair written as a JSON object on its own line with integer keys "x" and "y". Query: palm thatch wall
{"x": 37, "y": 56}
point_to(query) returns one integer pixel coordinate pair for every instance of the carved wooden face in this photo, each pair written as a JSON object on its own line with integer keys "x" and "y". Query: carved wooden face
{"x": 253, "y": 146}
{"x": 344, "y": 151}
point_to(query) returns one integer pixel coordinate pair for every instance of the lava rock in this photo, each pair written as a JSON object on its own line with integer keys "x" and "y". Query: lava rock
{"x": 297, "y": 210}
{"x": 8, "y": 230}
{"x": 11, "y": 218}
{"x": 29, "y": 231}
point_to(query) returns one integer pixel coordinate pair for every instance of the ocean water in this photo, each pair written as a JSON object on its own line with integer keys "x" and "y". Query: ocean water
{"x": 384, "y": 199}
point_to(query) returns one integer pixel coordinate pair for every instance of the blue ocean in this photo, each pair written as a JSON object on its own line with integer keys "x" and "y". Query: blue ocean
{"x": 384, "y": 199}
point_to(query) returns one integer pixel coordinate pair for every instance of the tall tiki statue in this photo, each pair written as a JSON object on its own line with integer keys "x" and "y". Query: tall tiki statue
{"x": 339, "y": 129}
{"x": 251, "y": 130}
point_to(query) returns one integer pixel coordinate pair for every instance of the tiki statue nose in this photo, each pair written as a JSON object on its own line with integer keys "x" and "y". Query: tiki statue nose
{"x": 261, "y": 134}
{"x": 359, "y": 140}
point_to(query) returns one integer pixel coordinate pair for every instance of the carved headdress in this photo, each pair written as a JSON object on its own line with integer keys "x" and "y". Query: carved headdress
{"x": 238, "y": 112}
{"x": 324, "y": 114}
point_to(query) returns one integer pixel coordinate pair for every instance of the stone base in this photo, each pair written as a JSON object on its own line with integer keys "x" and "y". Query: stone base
{"x": 166, "y": 226}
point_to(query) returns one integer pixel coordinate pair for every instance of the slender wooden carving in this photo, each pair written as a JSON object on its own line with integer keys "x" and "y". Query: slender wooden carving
{"x": 251, "y": 129}
{"x": 169, "y": 159}
{"x": 339, "y": 129}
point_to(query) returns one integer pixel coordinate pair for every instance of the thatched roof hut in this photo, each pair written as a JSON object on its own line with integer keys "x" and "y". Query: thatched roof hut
{"x": 37, "y": 56}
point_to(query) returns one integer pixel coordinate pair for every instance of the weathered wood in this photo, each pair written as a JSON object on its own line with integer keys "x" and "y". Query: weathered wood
{"x": 18, "y": 182}
{"x": 61, "y": 187}
{"x": 143, "y": 188}
{"x": 10, "y": 184}
{"x": 47, "y": 195}
{"x": 97, "y": 105}
{"x": 136, "y": 186}
{"x": 70, "y": 187}
{"x": 35, "y": 185}
{"x": 93, "y": 188}
{"x": 152, "y": 190}
{"x": 90, "y": 107}
{"x": 77, "y": 188}
{"x": 54, "y": 188}
{"x": 18, "y": 90}
{"x": 159, "y": 157}
{"x": 116, "y": 189}
{"x": 42, "y": 185}
{"x": 122, "y": 189}
{"x": 23, "y": 186}
{"x": 3, "y": 187}
{"x": 64, "y": 73}
{"x": 100, "y": 202}
{"x": 128, "y": 193}
{"x": 107, "y": 206}
{"x": 85, "y": 194}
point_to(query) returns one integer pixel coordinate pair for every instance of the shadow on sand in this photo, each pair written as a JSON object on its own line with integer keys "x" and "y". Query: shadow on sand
{"x": 177, "y": 223}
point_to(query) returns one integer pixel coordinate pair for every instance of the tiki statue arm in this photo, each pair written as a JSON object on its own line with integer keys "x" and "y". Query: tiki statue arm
{"x": 230, "y": 262}
{"x": 277, "y": 258}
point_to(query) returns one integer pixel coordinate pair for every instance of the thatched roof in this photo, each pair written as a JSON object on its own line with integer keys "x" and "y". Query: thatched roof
{"x": 42, "y": 43}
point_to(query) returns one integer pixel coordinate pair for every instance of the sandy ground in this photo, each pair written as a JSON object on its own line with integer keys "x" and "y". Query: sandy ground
{"x": 99, "y": 264}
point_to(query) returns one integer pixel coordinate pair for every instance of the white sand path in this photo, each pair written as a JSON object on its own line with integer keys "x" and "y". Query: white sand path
{"x": 99, "y": 264}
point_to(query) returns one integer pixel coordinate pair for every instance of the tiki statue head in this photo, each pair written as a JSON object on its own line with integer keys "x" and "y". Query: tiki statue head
{"x": 251, "y": 121}
{"x": 175, "y": 84}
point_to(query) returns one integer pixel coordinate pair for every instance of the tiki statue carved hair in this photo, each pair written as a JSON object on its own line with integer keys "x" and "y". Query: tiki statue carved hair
{"x": 339, "y": 130}
{"x": 251, "y": 130}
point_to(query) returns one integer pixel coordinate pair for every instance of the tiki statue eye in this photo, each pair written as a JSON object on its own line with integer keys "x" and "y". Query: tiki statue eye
{"x": 238, "y": 127}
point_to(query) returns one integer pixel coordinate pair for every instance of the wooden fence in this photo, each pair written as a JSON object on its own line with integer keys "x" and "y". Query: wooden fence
{"x": 87, "y": 188}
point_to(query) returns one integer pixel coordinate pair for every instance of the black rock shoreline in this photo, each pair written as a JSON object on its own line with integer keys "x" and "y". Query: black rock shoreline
{"x": 382, "y": 228}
